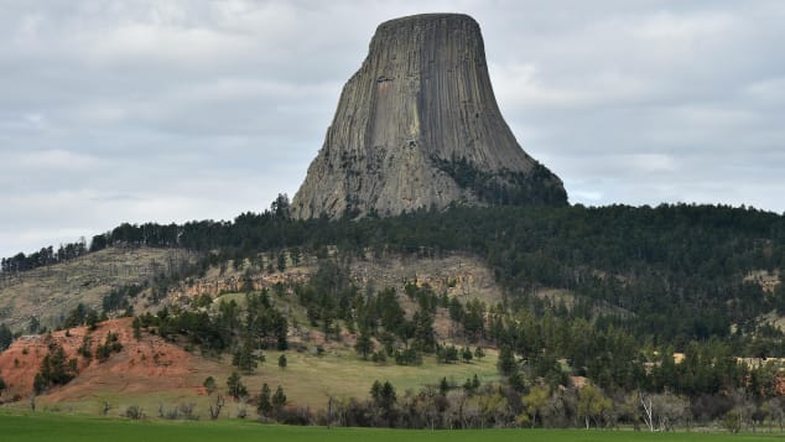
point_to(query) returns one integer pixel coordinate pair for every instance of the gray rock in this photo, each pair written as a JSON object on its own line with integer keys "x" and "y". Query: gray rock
{"x": 418, "y": 126}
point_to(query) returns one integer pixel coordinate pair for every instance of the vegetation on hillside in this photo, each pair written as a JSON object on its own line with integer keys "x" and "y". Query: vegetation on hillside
{"x": 678, "y": 269}
{"x": 662, "y": 310}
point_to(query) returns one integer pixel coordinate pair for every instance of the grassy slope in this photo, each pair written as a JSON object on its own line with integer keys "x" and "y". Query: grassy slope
{"x": 66, "y": 429}
{"x": 311, "y": 379}
{"x": 307, "y": 380}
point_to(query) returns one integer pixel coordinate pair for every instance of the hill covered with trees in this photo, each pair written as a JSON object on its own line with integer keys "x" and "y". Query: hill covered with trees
{"x": 680, "y": 270}
{"x": 662, "y": 302}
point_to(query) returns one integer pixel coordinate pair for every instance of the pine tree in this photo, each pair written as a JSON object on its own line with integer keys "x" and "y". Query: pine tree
{"x": 507, "y": 364}
{"x": 137, "y": 326}
{"x": 6, "y": 337}
{"x": 265, "y": 406}
{"x": 424, "y": 338}
{"x": 235, "y": 386}
{"x": 466, "y": 354}
{"x": 364, "y": 346}
{"x": 279, "y": 400}
{"x": 387, "y": 396}
{"x": 376, "y": 391}
{"x": 444, "y": 386}
{"x": 244, "y": 358}
{"x": 209, "y": 385}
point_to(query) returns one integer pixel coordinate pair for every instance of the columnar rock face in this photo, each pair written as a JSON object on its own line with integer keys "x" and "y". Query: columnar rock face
{"x": 418, "y": 126}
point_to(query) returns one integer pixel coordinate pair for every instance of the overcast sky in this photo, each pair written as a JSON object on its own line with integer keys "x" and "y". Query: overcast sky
{"x": 114, "y": 111}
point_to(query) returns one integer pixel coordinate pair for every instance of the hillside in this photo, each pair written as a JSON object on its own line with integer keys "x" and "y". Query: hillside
{"x": 459, "y": 275}
{"x": 152, "y": 372}
{"x": 678, "y": 302}
{"x": 48, "y": 293}
{"x": 142, "y": 366}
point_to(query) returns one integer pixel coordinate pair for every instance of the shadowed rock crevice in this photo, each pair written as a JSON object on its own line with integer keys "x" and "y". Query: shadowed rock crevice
{"x": 418, "y": 126}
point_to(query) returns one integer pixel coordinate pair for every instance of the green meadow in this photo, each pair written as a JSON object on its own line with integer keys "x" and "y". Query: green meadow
{"x": 61, "y": 428}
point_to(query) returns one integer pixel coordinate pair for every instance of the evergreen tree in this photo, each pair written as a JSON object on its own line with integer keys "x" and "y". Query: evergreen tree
{"x": 279, "y": 400}
{"x": 383, "y": 395}
{"x": 467, "y": 355}
{"x": 55, "y": 369}
{"x": 244, "y": 358}
{"x": 137, "y": 327}
{"x": 364, "y": 346}
{"x": 6, "y": 337}
{"x": 235, "y": 386}
{"x": 209, "y": 385}
{"x": 507, "y": 364}
{"x": 424, "y": 339}
{"x": 265, "y": 406}
{"x": 444, "y": 386}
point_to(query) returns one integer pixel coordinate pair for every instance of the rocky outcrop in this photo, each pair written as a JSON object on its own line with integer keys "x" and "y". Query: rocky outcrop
{"x": 418, "y": 126}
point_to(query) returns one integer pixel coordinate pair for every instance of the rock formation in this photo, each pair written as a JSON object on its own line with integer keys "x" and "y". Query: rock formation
{"x": 418, "y": 126}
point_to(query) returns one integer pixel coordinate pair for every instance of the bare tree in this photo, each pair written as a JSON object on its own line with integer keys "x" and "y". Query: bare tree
{"x": 215, "y": 408}
{"x": 669, "y": 410}
{"x": 648, "y": 411}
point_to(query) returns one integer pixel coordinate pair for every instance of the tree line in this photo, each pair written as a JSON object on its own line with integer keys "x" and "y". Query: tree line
{"x": 44, "y": 257}
{"x": 677, "y": 270}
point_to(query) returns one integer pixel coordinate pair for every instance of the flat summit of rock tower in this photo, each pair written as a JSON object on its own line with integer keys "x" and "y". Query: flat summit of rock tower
{"x": 418, "y": 126}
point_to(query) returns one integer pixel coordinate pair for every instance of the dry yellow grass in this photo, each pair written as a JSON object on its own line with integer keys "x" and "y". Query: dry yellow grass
{"x": 48, "y": 293}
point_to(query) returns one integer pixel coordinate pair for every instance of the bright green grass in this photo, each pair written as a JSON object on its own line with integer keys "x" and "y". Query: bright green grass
{"x": 85, "y": 429}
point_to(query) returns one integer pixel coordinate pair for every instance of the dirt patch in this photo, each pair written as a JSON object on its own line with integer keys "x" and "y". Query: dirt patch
{"x": 146, "y": 365}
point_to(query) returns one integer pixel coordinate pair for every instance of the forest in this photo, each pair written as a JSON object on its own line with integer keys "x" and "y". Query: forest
{"x": 650, "y": 283}
{"x": 679, "y": 269}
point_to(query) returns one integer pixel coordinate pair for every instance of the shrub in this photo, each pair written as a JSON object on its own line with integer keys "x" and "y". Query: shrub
{"x": 134, "y": 412}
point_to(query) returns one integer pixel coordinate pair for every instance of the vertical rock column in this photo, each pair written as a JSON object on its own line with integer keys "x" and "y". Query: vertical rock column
{"x": 418, "y": 126}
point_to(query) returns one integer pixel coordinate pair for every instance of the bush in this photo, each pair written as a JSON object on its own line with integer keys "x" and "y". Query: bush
{"x": 295, "y": 416}
{"x": 210, "y": 385}
{"x": 182, "y": 411}
{"x": 408, "y": 356}
{"x": 732, "y": 422}
{"x": 134, "y": 412}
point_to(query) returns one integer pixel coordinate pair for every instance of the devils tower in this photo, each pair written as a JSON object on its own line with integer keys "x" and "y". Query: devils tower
{"x": 418, "y": 126}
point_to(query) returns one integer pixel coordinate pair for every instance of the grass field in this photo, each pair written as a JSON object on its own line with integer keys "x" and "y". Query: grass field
{"x": 45, "y": 427}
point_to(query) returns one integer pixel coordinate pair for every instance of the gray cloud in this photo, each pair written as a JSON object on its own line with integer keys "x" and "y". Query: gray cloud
{"x": 116, "y": 111}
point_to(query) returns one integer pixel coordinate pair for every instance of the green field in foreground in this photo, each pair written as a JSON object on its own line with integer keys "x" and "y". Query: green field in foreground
{"x": 86, "y": 429}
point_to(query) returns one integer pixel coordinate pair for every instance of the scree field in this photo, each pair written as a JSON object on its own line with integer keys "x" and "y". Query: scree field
{"x": 83, "y": 429}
